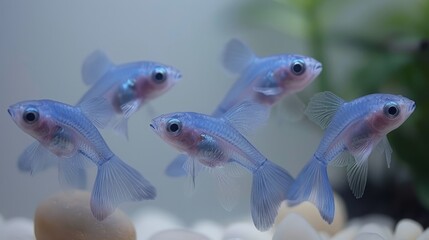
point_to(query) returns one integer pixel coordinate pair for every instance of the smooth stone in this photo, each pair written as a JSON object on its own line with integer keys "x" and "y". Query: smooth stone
{"x": 375, "y": 229}
{"x": 369, "y": 236}
{"x": 208, "y": 228}
{"x": 310, "y": 213}
{"x": 347, "y": 233}
{"x": 67, "y": 216}
{"x": 424, "y": 235}
{"x": 150, "y": 221}
{"x": 324, "y": 236}
{"x": 178, "y": 234}
{"x": 294, "y": 226}
{"x": 17, "y": 229}
{"x": 379, "y": 219}
{"x": 408, "y": 229}
{"x": 244, "y": 230}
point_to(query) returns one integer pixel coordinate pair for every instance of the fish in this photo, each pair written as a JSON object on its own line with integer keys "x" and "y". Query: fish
{"x": 66, "y": 138}
{"x": 353, "y": 130}
{"x": 126, "y": 86}
{"x": 266, "y": 80}
{"x": 217, "y": 145}
{"x": 263, "y": 80}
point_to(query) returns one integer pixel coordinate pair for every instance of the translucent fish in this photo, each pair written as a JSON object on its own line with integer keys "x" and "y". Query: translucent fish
{"x": 217, "y": 144}
{"x": 127, "y": 86}
{"x": 266, "y": 80}
{"x": 352, "y": 131}
{"x": 67, "y": 138}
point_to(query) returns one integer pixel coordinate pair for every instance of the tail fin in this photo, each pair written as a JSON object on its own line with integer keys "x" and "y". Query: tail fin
{"x": 312, "y": 184}
{"x": 269, "y": 188}
{"x": 116, "y": 182}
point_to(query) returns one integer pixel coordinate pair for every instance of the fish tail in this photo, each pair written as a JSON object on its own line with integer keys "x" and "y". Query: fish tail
{"x": 117, "y": 182}
{"x": 312, "y": 184}
{"x": 269, "y": 187}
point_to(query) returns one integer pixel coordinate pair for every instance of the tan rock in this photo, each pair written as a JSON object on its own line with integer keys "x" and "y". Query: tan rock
{"x": 67, "y": 216}
{"x": 294, "y": 226}
{"x": 310, "y": 213}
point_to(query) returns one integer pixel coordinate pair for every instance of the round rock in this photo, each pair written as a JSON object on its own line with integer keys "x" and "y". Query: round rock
{"x": 67, "y": 216}
{"x": 408, "y": 229}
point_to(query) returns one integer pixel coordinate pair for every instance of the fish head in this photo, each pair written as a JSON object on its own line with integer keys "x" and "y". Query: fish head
{"x": 32, "y": 117}
{"x": 390, "y": 111}
{"x": 295, "y": 72}
{"x": 154, "y": 79}
{"x": 176, "y": 129}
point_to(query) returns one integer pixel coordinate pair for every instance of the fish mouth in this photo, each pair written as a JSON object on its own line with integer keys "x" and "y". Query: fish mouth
{"x": 10, "y": 112}
{"x": 153, "y": 126}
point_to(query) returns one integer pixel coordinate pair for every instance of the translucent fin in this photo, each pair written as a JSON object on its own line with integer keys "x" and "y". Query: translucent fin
{"x": 312, "y": 184}
{"x": 176, "y": 167}
{"x": 98, "y": 110}
{"x": 192, "y": 168}
{"x": 357, "y": 175}
{"x": 36, "y": 158}
{"x": 129, "y": 108}
{"x": 269, "y": 187}
{"x": 228, "y": 188}
{"x": 116, "y": 182}
{"x": 237, "y": 56}
{"x": 121, "y": 127}
{"x": 385, "y": 146}
{"x": 322, "y": 107}
{"x": 292, "y": 108}
{"x": 247, "y": 116}
{"x": 95, "y": 66}
{"x": 342, "y": 160}
{"x": 71, "y": 172}
{"x": 362, "y": 147}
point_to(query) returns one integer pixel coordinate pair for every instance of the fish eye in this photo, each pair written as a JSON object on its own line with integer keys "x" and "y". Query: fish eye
{"x": 298, "y": 67}
{"x": 31, "y": 115}
{"x": 391, "y": 110}
{"x": 174, "y": 126}
{"x": 159, "y": 75}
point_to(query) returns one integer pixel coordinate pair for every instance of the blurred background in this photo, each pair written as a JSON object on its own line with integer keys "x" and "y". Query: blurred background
{"x": 365, "y": 46}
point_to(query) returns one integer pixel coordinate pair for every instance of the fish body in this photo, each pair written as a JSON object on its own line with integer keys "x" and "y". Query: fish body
{"x": 127, "y": 86}
{"x": 67, "y": 138}
{"x": 265, "y": 80}
{"x": 352, "y": 131}
{"x": 216, "y": 144}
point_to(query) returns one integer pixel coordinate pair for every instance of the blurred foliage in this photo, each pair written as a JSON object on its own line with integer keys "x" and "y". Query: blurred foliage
{"x": 390, "y": 41}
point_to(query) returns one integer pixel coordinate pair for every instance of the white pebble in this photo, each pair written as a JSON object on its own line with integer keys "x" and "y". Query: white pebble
{"x": 424, "y": 236}
{"x": 383, "y": 231}
{"x": 244, "y": 230}
{"x": 178, "y": 234}
{"x": 150, "y": 221}
{"x": 369, "y": 236}
{"x": 293, "y": 226}
{"x": 347, "y": 233}
{"x": 408, "y": 229}
{"x": 324, "y": 236}
{"x": 17, "y": 229}
{"x": 208, "y": 228}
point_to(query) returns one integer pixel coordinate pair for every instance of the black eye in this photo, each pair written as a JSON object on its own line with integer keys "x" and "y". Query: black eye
{"x": 391, "y": 110}
{"x": 174, "y": 126}
{"x": 31, "y": 115}
{"x": 159, "y": 75}
{"x": 298, "y": 67}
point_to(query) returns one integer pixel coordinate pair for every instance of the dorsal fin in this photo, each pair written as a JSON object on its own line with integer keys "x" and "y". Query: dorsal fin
{"x": 237, "y": 56}
{"x": 95, "y": 66}
{"x": 322, "y": 107}
{"x": 247, "y": 116}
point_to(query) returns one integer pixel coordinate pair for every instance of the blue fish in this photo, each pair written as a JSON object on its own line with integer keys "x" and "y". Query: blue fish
{"x": 67, "y": 138}
{"x": 127, "y": 86}
{"x": 217, "y": 144}
{"x": 353, "y": 130}
{"x": 266, "y": 80}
